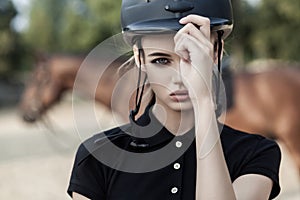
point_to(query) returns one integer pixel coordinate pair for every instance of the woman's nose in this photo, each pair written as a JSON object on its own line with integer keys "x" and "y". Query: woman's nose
{"x": 176, "y": 78}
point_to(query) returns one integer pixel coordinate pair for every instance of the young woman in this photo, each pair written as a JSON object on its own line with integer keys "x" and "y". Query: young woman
{"x": 177, "y": 149}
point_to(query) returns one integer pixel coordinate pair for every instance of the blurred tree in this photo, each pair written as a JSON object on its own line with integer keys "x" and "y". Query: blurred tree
{"x": 9, "y": 45}
{"x": 267, "y": 30}
{"x": 71, "y": 25}
{"x": 45, "y": 24}
{"x": 244, "y": 26}
{"x": 278, "y": 28}
{"x": 88, "y": 22}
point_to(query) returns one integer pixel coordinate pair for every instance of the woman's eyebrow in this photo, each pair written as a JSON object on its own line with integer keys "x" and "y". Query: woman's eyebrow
{"x": 159, "y": 54}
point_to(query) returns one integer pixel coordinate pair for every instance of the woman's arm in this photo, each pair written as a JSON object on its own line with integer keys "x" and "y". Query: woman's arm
{"x": 213, "y": 179}
{"x": 260, "y": 187}
{"x": 77, "y": 196}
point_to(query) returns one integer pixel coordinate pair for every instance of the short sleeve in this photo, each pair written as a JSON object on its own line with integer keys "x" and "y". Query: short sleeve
{"x": 87, "y": 177}
{"x": 265, "y": 160}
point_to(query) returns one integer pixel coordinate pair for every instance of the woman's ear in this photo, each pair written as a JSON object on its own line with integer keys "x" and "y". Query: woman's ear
{"x": 137, "y": 58}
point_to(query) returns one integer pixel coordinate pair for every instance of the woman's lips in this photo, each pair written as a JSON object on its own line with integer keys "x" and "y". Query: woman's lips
{"x": 180, "y": 95}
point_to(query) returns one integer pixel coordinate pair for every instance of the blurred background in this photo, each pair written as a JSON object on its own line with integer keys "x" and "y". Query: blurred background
{"x": 36, "y": 154}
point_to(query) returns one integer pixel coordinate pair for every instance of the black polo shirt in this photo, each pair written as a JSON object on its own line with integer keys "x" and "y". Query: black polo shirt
{"x": 176, "y": 179}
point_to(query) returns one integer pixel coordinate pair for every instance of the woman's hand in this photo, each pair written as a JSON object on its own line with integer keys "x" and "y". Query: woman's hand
{"x": 194, "y": 44}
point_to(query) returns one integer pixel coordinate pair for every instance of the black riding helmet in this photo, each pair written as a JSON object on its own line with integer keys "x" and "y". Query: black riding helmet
{"x": 150, "y": 16}
{"x": 139, "y": 17}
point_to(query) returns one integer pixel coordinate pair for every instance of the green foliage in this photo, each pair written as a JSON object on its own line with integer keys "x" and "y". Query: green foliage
{"x": 72, "y": 25}
{"x": 89, "y": 22}
{"x": 268, "y": 30}
{"x": 45, "y": 24}
{"x": 278, "y": 29}
{"x": 9, "y": 49}
{"x": 7, "y": 12}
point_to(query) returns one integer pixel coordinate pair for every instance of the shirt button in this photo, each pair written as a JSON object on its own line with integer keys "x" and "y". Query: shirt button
{"x": 178, "y": 144}
{"x": 174, "y": 190}
{"x": 176, "y": 166}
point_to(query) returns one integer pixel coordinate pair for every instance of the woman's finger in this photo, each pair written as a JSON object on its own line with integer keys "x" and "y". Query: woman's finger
{"x": 202, "y": 22}
{"x": 192, "y": 30}
{"x": 188, "y": 47}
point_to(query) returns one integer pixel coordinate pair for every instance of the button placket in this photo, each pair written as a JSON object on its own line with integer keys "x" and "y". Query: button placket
{"x": 178, "y": 144}
{"x": 174, "y": 190}
{"x": 177, "y": 170}
{"x": 176, "y": 180}
{"x": 176, "y": 166}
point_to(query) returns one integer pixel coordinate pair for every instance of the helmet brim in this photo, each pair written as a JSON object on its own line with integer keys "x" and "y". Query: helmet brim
{"x": 171, "y": 25}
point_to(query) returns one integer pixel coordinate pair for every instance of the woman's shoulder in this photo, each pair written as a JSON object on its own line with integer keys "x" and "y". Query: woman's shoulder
{"x": 231, "y": 135}
{"x": 89, "y": 172}
{"x": 93, "y": 146}
{"x": 247, "y": 144}
{"x": 251, "y": 154}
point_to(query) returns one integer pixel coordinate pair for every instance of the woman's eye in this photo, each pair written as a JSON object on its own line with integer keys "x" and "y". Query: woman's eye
{"x": 161, "y": 61}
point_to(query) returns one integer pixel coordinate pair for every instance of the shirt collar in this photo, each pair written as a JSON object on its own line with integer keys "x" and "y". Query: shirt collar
{"x": 147, "y": 131}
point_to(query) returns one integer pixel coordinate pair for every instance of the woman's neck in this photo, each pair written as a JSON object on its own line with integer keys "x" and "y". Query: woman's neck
{"x": 177, "y": 122}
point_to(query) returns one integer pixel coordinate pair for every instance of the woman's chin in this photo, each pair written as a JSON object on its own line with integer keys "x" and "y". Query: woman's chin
{"x": 181, "y": 106}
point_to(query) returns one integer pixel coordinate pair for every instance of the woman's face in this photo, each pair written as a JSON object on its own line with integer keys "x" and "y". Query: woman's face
{"x": 162, "y": 67}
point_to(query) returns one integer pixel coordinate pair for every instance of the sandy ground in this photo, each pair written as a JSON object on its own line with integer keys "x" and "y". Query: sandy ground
{"x": 35, "y": 164}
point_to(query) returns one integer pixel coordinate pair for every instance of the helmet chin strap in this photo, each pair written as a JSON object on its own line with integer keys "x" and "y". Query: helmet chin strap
{"x": 139, "y": 95}
{"x": 220, "y": 46}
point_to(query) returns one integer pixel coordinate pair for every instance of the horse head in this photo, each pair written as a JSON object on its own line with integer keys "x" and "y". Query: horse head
{"x": 52, "y": 76}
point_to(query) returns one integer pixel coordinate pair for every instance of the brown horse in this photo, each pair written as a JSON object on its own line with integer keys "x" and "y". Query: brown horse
{"x": 52, "y": 76}
{"x": 268, "y": 103}
{"x": 55, "y": 74}
{"x": 265, "y": 102}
